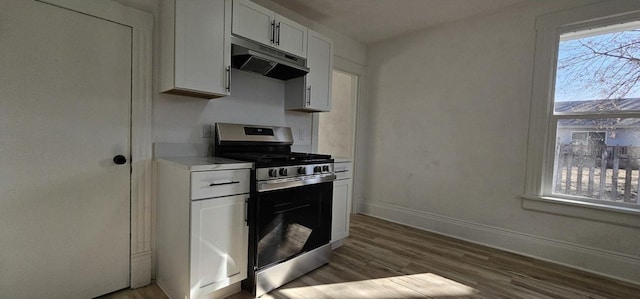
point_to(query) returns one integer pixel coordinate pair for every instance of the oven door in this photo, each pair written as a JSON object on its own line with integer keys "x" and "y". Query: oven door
{"x": 292, "y": 221}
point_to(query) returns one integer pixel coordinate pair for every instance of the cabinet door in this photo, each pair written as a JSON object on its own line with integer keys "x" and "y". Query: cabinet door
{"x": 253, "y": 21}
{"x": 218, "y": 243}
{"x": 320, "y": 63}
{"x": 341, "y": 209}
{"x": 291, "y": 37}
{"x": 202, "y": 46}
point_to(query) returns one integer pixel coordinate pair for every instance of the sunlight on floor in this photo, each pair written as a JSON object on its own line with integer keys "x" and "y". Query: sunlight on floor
{"x": 408, "y": 286}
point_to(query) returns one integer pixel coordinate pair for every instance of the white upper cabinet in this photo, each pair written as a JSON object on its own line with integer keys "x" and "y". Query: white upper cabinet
{"x": 291, "y": 37}
{"x": 320, "y": 62}
{"x": 195, "y": 55}
{"x": 253, "y": 21}
{"x": 312, "y": 93}
{"x": 262, "y": 25}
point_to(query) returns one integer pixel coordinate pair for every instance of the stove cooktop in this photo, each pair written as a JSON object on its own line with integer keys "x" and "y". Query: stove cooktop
{"x": 277, "y": 159}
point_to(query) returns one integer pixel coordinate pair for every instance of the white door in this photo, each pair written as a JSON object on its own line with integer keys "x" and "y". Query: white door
{"x": 65, "y": 97}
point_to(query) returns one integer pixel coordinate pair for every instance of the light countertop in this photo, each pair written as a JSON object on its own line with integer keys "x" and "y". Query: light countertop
{"x": 205, "y": 163}
{"x": 342, "y": 159}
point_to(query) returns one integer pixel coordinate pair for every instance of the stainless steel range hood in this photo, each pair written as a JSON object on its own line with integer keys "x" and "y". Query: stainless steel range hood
{"x": 256, "y": 58}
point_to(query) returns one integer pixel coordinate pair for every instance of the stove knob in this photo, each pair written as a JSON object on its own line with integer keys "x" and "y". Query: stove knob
{"x": 283, "y": 171}
{"x": 273, "y": 172}
{"x": 302, "y": 170}
{"x": 317, "y": 169}
{"x": 325, "y": 168}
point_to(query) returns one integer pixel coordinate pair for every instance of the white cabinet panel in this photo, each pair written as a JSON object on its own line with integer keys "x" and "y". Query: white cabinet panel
{"x": 195, "y": 47}
{"x": 262, "y": 25}
{"x": 342, "y": 170}
{"x": 291, "y": 36}
{"x": 320, "y": 62}
{"x": 219, "y": 183}
{"x": 218, "y": 242}
{"x": 201, "y": 244}
{"x": 312, "y": 93}
{"x": 342, "y": 192}
{"x": 341, "y": 209}
{"x": 253, "y": 21}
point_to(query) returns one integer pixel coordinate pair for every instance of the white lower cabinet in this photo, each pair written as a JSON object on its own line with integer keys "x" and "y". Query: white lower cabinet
{"x": 218, "y": 243}
{"x": 341, "y": 209}
{"x": 342, "y": 191}
{"x": 202, "y": 234}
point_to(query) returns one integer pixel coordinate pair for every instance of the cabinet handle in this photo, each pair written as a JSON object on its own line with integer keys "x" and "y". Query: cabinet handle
{"x": 309, "y": 97}
{"x": 273, "y": 32}
{"x": 246, "y": 211}
{"x": 228, "y": 79}
{"x": 225, "y": 183}
{"x": 341, "y": 171}
{"x": 278, "y": 30}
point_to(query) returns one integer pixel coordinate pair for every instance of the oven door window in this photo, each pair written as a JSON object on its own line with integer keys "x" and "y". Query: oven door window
{"x": 293, "y": 221}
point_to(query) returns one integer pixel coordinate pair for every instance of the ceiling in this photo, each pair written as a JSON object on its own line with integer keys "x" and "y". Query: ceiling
{"x": 370, "y": 21}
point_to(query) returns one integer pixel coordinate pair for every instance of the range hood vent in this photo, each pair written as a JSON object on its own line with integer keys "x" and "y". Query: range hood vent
{"x": 251, "y": 57}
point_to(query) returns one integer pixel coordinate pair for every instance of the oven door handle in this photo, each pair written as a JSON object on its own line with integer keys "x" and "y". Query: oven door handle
{"x": 269, "y": 186}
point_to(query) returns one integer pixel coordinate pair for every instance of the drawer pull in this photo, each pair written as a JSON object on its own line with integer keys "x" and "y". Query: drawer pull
{"x": 341, "y": 171}
{"x": 225, "y": 183}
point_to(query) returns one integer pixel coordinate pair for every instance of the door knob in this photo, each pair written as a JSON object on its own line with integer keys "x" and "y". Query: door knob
{"x": 119, "y": 159}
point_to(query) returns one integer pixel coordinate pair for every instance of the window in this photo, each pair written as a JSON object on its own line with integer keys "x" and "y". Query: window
{"x": 597, "y": 80}
{"x": 584, "y": 141}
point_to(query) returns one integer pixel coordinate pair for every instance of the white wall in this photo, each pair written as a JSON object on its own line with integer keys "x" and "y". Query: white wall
{"x": 254, "y": 99}
{"x": 443, "y": 146}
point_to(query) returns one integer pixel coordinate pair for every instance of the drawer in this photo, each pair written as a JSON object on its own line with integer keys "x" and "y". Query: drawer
{"x": 218, "y": 183}
{"x": 343, "y": 170}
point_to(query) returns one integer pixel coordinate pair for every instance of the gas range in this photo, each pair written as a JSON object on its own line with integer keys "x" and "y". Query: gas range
{"x": 289, "y": 212}
{"x": 269, "y": 148}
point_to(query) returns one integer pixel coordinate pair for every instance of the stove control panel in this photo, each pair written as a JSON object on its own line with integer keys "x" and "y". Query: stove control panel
{"x": 293, "y": 172}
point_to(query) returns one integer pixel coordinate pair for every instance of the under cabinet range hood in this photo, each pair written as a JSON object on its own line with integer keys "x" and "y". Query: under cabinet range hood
{"x": 252, "y": 57}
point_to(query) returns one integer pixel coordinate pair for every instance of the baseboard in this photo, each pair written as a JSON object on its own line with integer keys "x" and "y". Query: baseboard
{"x": 336, "y": 244}
{"x": 602, "y": 262}
{"x": 163, "y": 288}
{"x": 140, "y": 269}
{"x": 223, "y": 293}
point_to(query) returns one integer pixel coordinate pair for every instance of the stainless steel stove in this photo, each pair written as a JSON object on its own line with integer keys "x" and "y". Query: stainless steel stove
{"x": 290, "y": 206}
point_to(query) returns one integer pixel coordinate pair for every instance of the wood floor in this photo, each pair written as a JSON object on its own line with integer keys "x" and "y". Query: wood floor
{"x": 383, "y": 260}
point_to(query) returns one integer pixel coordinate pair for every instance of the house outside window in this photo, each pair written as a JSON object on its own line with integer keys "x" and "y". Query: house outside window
{"x": 584, "y": 139}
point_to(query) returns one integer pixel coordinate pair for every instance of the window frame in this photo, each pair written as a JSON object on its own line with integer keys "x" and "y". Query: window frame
{"x": 543, "y": 120}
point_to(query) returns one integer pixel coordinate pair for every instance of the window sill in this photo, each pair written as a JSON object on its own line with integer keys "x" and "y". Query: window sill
{"x": 585, "y": 210}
